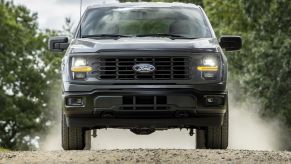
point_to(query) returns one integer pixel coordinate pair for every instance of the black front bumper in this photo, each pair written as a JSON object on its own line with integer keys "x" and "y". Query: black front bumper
{"x": 131, "y": 107}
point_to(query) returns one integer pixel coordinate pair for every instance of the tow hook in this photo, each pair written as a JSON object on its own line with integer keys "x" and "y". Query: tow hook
{"x": 191, "y": 132}
{"x": 94, "y": 133}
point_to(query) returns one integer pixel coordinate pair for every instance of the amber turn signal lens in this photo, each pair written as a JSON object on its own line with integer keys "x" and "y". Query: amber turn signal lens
{"x": 81, "y": 69}
{"x": 207, "y": 68}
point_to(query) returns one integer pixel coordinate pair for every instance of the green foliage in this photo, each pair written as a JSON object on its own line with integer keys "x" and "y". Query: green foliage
{"x": 263, "y": 66}
{"x": 27, "y": 70}
{"x": 3, "y": 150}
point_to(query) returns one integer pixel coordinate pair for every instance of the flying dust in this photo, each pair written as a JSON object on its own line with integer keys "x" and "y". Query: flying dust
{"x": 251, "y": 132}
{"x": 247, "y": 131}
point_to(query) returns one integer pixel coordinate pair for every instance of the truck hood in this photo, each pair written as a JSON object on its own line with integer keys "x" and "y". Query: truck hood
{"x": 87, "y": 45}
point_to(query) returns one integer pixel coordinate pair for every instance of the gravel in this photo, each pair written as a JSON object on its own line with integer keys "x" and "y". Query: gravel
{"x": 147, "y": 156}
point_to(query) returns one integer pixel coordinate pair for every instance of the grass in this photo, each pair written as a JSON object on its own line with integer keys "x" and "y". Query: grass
{"x": 3, "y": 150}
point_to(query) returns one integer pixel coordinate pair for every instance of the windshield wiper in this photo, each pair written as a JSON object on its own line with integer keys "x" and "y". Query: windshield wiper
{"x": 105, "y": 36}
{"x": 172, "y": 36}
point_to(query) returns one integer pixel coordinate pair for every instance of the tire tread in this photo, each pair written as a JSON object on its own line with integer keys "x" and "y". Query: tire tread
{"x": 214, "y": 137}
{"x": 74, "y": 138}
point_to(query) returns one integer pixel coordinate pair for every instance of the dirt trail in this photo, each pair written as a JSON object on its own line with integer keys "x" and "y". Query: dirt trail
{"x": 147, "y": 156}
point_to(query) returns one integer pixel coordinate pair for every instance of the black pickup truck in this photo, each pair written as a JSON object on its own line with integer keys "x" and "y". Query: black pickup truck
{"x": 145, "y": 67}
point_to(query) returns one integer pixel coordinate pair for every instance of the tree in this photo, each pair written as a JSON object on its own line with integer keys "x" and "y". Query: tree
{"x": 27, "y": 71}
{"x": 263, "y": 66}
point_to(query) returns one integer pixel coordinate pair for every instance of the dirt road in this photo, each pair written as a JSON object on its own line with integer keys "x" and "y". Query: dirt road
{"x": 147, "y": 156}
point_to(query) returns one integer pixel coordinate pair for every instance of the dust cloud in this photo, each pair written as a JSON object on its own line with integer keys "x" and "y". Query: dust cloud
{"x": 247, "y": 131}
{"x": 251, "y": 132}
{"x": 53, "y": 140}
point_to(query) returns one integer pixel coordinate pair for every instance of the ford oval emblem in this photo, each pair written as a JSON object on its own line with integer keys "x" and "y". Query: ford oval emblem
{"x": 144, "y": 68}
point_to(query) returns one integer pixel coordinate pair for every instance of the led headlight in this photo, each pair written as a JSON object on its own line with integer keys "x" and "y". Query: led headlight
{"x": 209, "y": 62}
{"x": 209, "y": 68}
{"x": 79, "y": 61}
{"x": 80, "y": 68}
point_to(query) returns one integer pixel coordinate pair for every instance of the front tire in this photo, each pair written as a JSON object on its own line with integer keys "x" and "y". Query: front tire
{"x": 75, "y": 138}
{"x": 214, "y": 137}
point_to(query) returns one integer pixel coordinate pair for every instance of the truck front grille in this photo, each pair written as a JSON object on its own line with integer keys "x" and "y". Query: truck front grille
{"x": 121, "y": 68}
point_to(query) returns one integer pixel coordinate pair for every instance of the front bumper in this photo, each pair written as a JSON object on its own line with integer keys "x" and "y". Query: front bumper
{"x": 131, "y": 107}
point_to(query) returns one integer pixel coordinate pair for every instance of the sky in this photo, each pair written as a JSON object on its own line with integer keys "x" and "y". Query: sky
{"x": 52, "y": 13}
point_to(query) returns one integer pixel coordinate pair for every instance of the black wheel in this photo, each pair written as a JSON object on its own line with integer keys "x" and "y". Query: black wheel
{"x": 213, "y": 137}
{"x": 200, "y": 139}
{"x": 75, "y": 138}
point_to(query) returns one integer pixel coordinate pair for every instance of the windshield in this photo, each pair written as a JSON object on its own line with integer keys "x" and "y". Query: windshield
{"x": 145, "y": 22}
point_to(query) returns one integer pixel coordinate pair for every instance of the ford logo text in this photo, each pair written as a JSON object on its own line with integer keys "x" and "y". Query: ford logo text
{"x": 144, "y": 68}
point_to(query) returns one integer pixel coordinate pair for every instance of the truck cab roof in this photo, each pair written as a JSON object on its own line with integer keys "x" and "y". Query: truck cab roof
{"x": 145, "y": 4}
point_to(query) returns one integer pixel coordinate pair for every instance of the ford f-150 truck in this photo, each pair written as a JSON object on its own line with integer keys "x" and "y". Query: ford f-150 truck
{"x": 145, "y": 67}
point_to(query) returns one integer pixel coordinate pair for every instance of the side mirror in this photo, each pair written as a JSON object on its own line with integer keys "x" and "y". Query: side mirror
{"x": 231, "y": 43}
{"x": 58, "y": 44}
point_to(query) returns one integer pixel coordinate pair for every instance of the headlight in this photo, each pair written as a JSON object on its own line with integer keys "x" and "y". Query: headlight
{"x": 80, "y": 68}
{"x": 209, "y": 68}
{"x": 209, "y": 61}
{"x": 79, "y": 61}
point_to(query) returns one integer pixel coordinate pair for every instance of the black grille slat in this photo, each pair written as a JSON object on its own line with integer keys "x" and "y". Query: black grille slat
{"x": 121, "y": 68}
